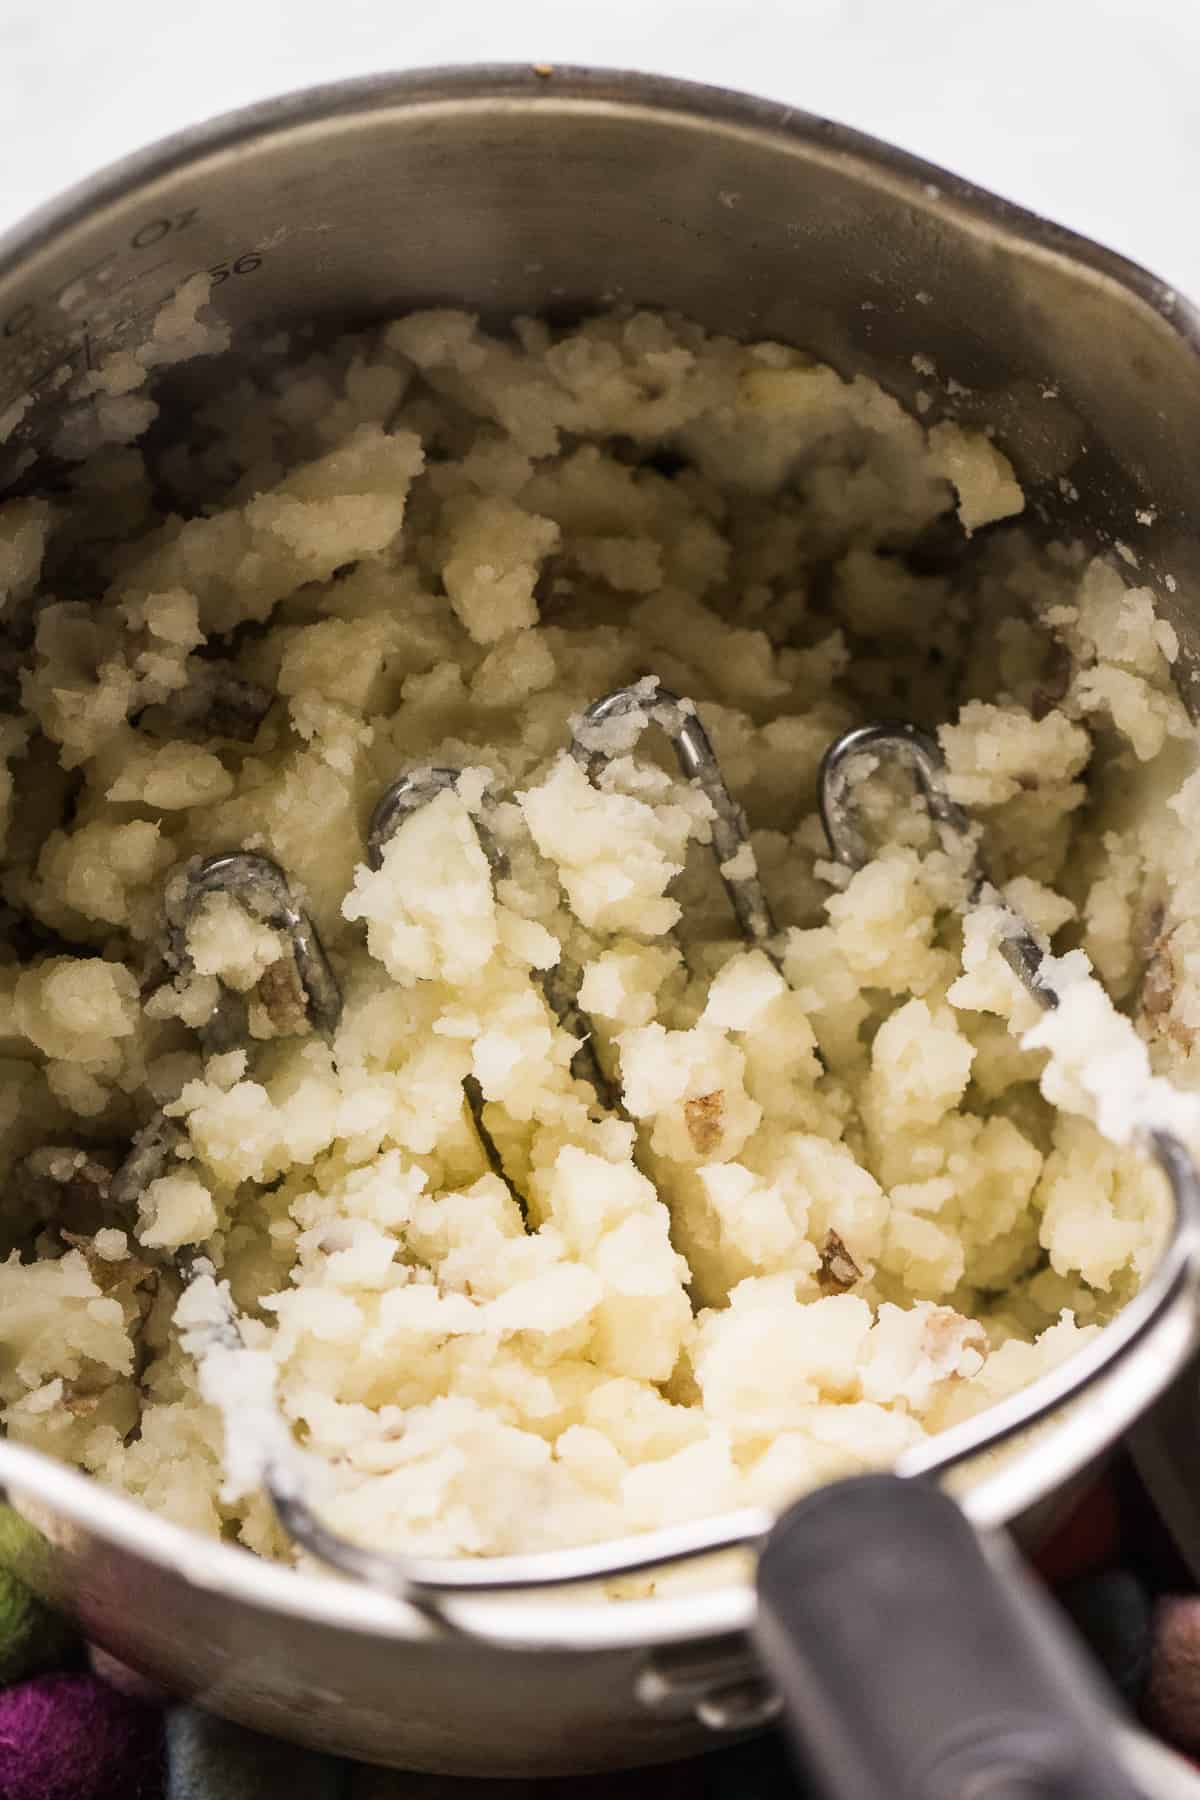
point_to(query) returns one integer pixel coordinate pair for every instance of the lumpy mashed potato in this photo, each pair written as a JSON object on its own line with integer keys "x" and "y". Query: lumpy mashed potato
{"x": 832, "y": 1212}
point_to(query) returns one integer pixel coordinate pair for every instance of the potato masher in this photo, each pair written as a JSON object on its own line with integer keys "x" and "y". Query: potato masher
{"x": 911, "y": 1657}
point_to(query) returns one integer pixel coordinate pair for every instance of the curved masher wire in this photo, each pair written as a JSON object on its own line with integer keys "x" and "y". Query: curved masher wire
{"x": 647, "y": 703}
{"x": 910, "y": 745}
{"x": 413, "y": 790}
{"x": 398, "y": 802}
{"x": 1175, "y": 1275}
{"x": 836, "y": 780}
{"x": 405, "y": 797}
{"x": 260, "y": 885}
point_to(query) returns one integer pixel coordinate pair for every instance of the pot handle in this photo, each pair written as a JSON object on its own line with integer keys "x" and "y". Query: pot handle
{"x": 914, "y": 1659}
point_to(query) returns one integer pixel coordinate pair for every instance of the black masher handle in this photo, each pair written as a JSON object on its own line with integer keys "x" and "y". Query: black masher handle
{"x": 916, "y": 1663}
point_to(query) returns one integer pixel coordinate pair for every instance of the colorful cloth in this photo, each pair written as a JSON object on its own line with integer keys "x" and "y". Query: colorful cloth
{"x": 75, "y": 1726}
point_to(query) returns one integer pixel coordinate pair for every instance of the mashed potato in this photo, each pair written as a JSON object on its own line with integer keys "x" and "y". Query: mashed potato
{"x": 832, "y": 1212}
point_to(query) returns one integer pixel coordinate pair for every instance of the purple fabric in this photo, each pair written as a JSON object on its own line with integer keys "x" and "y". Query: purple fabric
{"x": 72, "y": 1737}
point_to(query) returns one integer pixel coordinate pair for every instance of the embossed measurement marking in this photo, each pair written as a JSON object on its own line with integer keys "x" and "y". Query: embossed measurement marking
{"x": 44, "y": 343}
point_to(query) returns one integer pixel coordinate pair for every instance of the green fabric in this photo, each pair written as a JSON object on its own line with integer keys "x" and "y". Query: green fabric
{"x": 32, "y": 1637}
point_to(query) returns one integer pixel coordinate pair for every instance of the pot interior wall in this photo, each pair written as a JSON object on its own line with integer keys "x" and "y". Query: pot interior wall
{"x": 528, "y": 193}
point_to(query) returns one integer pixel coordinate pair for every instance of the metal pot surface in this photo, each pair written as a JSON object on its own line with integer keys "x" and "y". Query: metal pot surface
{"x": 535, "y": 190}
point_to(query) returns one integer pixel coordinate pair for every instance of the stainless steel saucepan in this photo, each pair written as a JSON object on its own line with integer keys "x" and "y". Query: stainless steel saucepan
{"x": 527, "y": 190}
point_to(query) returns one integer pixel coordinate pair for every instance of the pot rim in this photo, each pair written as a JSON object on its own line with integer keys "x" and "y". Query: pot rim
{"x": 574, "y": 87}
{"x": 63, "y": 1502}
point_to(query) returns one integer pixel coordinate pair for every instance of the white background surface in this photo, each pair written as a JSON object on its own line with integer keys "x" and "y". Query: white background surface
{"x": 1088, "y": 110}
